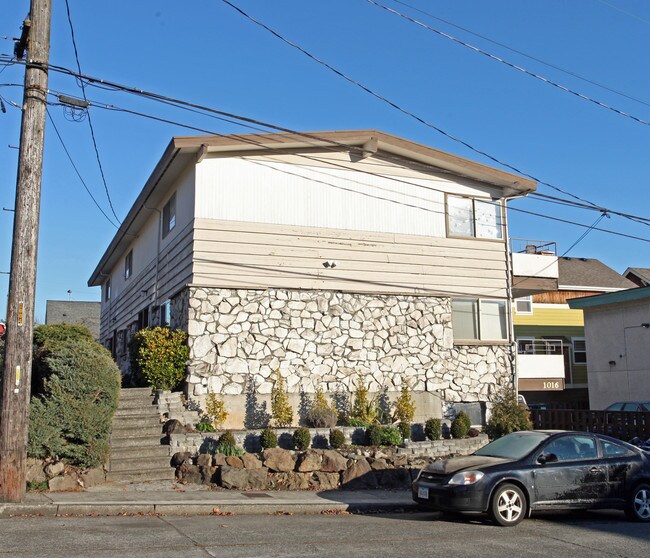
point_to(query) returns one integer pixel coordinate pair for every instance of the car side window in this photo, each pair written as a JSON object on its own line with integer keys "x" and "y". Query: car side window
{"x": 631, "y": 407}
{"x": 615, "y": 407}
{"x": 610, "y": 449}
{"x": 572, "y": 448}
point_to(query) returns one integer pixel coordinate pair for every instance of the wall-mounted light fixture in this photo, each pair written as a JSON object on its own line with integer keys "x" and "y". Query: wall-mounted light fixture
{"x": 329, "y": 263}
{"x": 612, "y": 363}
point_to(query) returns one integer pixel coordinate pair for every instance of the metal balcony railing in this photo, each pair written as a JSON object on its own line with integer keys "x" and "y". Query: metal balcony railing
{"x": 539, "y": 347}
{"x": 527, "y": 246}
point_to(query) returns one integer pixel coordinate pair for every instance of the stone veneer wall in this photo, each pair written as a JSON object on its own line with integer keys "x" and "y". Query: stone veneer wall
{"x": 324, "y": 338}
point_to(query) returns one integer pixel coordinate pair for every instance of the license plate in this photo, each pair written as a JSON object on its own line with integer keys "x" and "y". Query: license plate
{"x": 423, "y": 493}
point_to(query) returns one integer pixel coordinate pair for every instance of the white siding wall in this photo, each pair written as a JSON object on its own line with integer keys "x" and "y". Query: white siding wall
{"x": 265, "y": 190}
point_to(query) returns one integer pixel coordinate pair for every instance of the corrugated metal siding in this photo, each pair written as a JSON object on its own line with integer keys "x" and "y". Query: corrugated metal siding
{"x": 268, "y": 191}
{"x": 255, "y": 255}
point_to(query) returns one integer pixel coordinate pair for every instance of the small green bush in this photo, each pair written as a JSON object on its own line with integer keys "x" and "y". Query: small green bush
{"x": 268, "y": 439}
{"x": 301, "y": 438}
{"x": 321, "y": 413}
{"x": 391, "y": 436}
{"x": 373, "y": 435}
{"x": 507, "y": 415}
{"x": 159, "y": 355}
{"x": 460, "y": 425}
{"x": 356, "y": 423}
{"x": 281, "y": 411}
{"x": 433, "y": 429}
{"x": 227, "y": 445}
{"x": 204, "y": 425}
{"x": 404, "y": 430}
{"x": 337, "y": 438}
{"x": 71, "y": 413}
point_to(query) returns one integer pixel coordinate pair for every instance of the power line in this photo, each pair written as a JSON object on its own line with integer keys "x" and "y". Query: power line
{"x": 524, "y": 54}
{"x": 74, "y": 166}
{"x": 509, "y": 64}
{"x": 405, "y": 111}
{"x": 256, "y": 124}
{"x": 90, "y": 122}
{"x": 619, "y": 9}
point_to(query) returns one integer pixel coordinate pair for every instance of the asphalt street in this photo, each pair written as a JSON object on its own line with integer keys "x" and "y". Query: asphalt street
{"x": 592, "y": 534}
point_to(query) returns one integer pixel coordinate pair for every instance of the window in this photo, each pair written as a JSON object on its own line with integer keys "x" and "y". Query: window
{"x": 579, "y": 350}
{"x": 169, "y": 216}
{"x": 128, "y": 265}
{"x": 143, "y": 319}
{"x": 572, "y": 448}
{"x": 611, "y": 449}
{"x": 107, "y": 290}
{"x": 474, "y": 218}
{"x": 524, "y": 305}
{"x": 166, "y": 313}
{"x": 479, "y": 319}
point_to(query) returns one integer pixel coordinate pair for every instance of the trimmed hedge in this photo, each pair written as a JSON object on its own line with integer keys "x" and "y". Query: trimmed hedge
{"x": 78, "y": 390}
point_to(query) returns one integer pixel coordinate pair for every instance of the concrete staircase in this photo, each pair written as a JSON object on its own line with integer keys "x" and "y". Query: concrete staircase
{"x": 136, "y": 453}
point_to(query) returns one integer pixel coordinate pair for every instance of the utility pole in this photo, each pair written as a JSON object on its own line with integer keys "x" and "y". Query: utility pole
{"x": 16, "y": 384}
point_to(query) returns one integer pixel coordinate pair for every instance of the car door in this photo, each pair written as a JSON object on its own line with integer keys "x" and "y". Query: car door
{"x": 620, "y": 462}
{"x": 569, "y": 473}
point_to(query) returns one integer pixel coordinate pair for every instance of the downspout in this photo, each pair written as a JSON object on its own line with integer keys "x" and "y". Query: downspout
{"x": 511, "y": 325}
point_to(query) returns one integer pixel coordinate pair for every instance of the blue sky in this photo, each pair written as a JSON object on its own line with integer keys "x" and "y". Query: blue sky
{"x": 207, "y": 53}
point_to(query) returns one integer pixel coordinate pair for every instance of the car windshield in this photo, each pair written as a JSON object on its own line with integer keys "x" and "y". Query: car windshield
{"x": 512, "y": 446}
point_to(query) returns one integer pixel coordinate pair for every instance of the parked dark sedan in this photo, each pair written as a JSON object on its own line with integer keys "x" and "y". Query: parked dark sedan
{"x": 540, "y": 470}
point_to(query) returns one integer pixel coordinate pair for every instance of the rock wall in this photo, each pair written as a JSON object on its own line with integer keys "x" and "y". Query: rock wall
{"x": 239, "y": 338}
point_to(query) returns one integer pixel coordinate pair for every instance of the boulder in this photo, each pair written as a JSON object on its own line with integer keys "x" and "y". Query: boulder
{"x": 241, "y": 479}
{"x": 359, "y": 475}
{"x": 279, "y": 460}
{"x": 173, "y": 426}
{"x": 204, "y": 460}
{"x": 34, "y": 471}
{"x": 333, "y": 462}
{"x": 219, "y": 460}
{"x": 292, "y": 481}
{"x": 378, "y": 464}
{"x": 258, "y": 478}
{"x": 64, "y": 483}
{"x": 180, "y": 457}
{"x": 235, "y": 462}
{"x": 93, "y": 477}
{"x": 208, "y": 474}
{"x": 54, "y": 469}
{"x": 395, "y": 478}
{"x": 189, "y": 473}
{"x": 251, "y": 461}
{"x": 326, "y": 481}
{"x": 309, "y": 461}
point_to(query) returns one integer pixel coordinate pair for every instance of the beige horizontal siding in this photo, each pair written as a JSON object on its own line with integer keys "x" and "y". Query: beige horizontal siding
{"x": 255, "y": 255}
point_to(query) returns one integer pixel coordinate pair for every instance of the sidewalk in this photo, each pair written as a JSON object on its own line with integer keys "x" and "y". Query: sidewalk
{"x": 125, "y": 500}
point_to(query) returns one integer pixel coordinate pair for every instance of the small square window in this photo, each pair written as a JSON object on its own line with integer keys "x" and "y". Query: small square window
{"x": 579, "y": 350}
{"x": 524, "y": 305}
{"x": 169, "y": 216}
{"x": 128, "y": 265}
{"x": 475, "y": 218}
{"x": 482, "y": 319}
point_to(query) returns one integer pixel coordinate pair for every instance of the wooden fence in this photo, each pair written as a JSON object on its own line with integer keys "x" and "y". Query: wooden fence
{"x": 623, "y": 425}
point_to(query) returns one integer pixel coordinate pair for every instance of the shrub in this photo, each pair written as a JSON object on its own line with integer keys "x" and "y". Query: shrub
{"x": 268, "y": 439}
{"x": 391, "y": 436}
{"x": 404, "y": 430}
{"x": 71, "y": 415}
{"x": 204, "y": 425}
{"x": 337, "y": 438}
{"x": 460, "y": 425}
{"x": 301, "y": 438}
{"x": 404, "y": 406}
{"x": 507, "y": 415}
{"x": 227, "y": 445}
{"x": 159, "y": 355}
{"x": 321, "y": 414}
{"x": 364, "y": 409}
{"x": 433, "y": 429}
{"x": 281, "y": 411}
{"x": 215, "y": 409}
{"x": 356, "y": 423}
{"x": 373, "y": 435}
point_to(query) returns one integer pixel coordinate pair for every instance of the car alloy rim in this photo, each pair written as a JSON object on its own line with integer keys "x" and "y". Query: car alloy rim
{"x": 509, "y": 505}
{"x": 642, "y": 503}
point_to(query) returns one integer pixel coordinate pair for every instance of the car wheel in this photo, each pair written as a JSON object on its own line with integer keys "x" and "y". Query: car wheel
{"x": 637, "y": 506}
{"x": 508, "y": 506}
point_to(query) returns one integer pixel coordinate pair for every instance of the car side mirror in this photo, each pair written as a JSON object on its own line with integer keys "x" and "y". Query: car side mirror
{"x": 547, "y": 458}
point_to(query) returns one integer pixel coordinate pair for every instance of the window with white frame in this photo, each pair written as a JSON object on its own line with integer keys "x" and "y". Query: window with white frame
{"x": 579, "y": 350}
{"x": 166, "y": 313}
{"x": 471, "y": 217}
{"x": 524, "y": 305}
{"x": 128, "y": 265}
{"x": 479, "y": 319}
{"x": 107, "y": 290}
{"x": 169, "y": 216}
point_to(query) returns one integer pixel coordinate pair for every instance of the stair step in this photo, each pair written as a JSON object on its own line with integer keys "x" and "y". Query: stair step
{"x": 136, "y": 431}
{"x": 166, "y": 473}
{"x": 135, "y": 392}
{"x": 138, "y": 464}
{"x": 137, "y": 404}
{"x": 126, "y": 421}
{"x": 151, "y": 410}
{"x": 133, "y": 452}
{"x": 136, "y": 442}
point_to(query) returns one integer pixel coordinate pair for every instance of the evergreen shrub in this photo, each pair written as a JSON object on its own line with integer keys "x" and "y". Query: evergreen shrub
{"x": 301, "y": 438}
{"x": 507, "y": 415}
{"x": 337, "y": 439}
{"x": 373, "y": 435}
{"x": 268, "y": 439}
{"x": 404, "y": 430}
{"x": 460, "y": 425}
{"x": 433, "y": 429}
{"x": 391, "y": 436}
